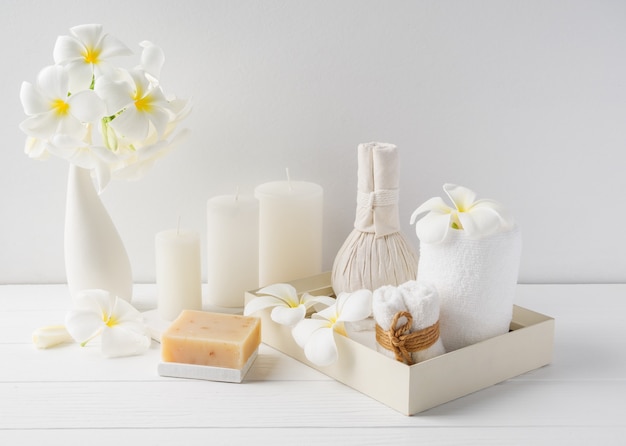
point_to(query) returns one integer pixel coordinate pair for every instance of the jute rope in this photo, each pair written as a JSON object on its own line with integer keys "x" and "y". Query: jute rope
{"x": 401, "y": 342}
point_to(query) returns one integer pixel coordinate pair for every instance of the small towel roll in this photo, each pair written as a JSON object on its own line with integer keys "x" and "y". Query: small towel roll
{"x": 476, "y": 280}
{"x": 422, "y": 301}
{"x": 386, "y": 302}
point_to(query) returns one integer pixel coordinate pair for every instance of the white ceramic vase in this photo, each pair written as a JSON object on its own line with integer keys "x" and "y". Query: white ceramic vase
{"x": 95, "y": 256}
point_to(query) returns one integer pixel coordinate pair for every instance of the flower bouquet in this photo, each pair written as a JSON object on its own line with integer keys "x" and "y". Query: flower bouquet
{"x": 109, "y": 122}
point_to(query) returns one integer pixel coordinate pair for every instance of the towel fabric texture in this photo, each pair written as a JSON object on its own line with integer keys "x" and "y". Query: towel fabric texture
{"x": 421, "y": 301}
{"x": 476, "y": 280}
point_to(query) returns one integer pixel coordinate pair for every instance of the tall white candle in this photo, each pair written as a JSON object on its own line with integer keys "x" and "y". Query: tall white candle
{"x": 290, "y": 230}
{"x": 178, "y": 272}
{"x": 232, "y": 248}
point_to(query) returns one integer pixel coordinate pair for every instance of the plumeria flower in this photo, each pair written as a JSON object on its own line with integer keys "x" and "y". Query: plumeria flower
{"x": 478, "y": 218}
{"x": 136, "y": 99}
{"x": 52, "y": 110}
{"x": 288, "y": 308}
{"x": 316, "y": 335}
{"x": 120, "y": 325}
{"x": 87, "y": 54}
{"x": 138, "y": 105}
{"x": 99, "y": 116}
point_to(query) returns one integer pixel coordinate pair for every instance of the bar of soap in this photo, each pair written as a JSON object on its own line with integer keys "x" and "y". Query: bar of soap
{"x": 211, "y": 339}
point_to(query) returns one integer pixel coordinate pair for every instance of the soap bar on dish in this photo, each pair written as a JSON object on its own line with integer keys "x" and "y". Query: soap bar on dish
{"x": 211, "y": 339}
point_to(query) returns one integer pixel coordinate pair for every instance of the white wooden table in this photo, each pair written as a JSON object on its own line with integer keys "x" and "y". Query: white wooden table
{"x": 71, "y": 395}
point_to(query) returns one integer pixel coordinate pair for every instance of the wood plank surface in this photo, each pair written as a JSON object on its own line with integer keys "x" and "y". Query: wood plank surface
{"x": 72, "y": 395}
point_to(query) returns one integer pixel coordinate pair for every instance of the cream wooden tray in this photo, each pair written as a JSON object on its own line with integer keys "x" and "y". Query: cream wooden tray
{"x": 413, "y": 389}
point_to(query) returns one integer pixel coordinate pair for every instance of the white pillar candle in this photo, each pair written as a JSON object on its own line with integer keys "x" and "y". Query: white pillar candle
{"x": 290, "y": 230}
{"x": 232, "y": 248}
{"x": 178, "y": 272}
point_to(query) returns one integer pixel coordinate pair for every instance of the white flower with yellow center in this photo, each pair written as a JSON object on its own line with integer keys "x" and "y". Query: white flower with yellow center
{"x": 87, "y": 54}
{"x": 51, "y": 110}
{"x": 478, "y": 218}
{"x": 136, "y": 102}
{"x": 287, "y": 307}
{"x": 316, "y": 335}
{"x": 99, "y": 116}
{"x": 120, "y": 325}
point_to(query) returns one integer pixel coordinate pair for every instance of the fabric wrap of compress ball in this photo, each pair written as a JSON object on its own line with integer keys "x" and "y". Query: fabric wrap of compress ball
{"x": 476, "y": 281}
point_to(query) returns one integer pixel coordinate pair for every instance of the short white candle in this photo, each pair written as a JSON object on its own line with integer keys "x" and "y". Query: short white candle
{"x": 178, "y": 272}
{"x": 290, "y": 230}
{"x": 232, "y": 248}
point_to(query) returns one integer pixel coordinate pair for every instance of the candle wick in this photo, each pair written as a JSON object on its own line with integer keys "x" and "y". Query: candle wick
{"x": 237, "y": 194}
{"x": 288, "y": 179}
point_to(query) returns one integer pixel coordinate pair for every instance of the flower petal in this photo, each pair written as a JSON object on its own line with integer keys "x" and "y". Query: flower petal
{"x": 302, "y": 332}
{"x": 435, "y": 204}
{"x": 84, "y": 324}
{"x": 309, "y": 300}
{"x": 52, "y": 81}
{"x": 70, "y": 125}
{"x": 88, "y": 34}
{"x": 116, "y": 94}
{"x": 328, "y": 314}
{"x": 66, "y": 48}
{"x": 125, "y": 340}
{"x": 86, "y": 106}
{"x": 41, "y": 126}
{"x": 321, "y": 349}
{"x": 152, "y": 58}
{"x": 124, "y": 312}
{"x": 159, "y": 118}
{"x": 354, "y": 306}
{"x": 36, "y": 148}
{"x": 505, "y": 217}
{"x": 46, "y": 337}
{"x": 433, "y": 228}
{"x": 32, "y": 100}
{"x": 480, "y": 221}
{"x": 80, "y": 75}
{"x": 462, "y": 197}
{"x": 131, "y": 124}
{"x": 112, "y": 47}
{"x": 287, "y": 315}
{"x": 283, "y": 291}
{"x": 260, "y": 303}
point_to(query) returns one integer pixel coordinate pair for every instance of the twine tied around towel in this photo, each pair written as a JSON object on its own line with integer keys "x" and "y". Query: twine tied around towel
{"x": 401, "y": 342}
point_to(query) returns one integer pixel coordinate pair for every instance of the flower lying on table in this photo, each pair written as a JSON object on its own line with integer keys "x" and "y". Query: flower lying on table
{"x": 118, "y": 323}
{"x": 109, "y": 119}
{"x": 314, "y": 335}
{"x": 98, "y": 313}
{"x": 478, "y": 218}
{"x": 287, "y": 307}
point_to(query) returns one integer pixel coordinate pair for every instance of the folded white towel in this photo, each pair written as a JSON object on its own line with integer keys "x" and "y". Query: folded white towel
{"x": 386, "y": 303}
{"x": 476, "y": 280}
{"x": 422, "y": 301}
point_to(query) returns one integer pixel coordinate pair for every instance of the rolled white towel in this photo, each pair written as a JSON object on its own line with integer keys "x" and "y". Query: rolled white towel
{"x": 422, "y": 301}
{"x": 476, "y": 281}
{"x": 386, "y": 303}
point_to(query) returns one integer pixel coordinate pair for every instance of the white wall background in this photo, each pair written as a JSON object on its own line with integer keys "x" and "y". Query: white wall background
{"x": 523, "y": 101}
